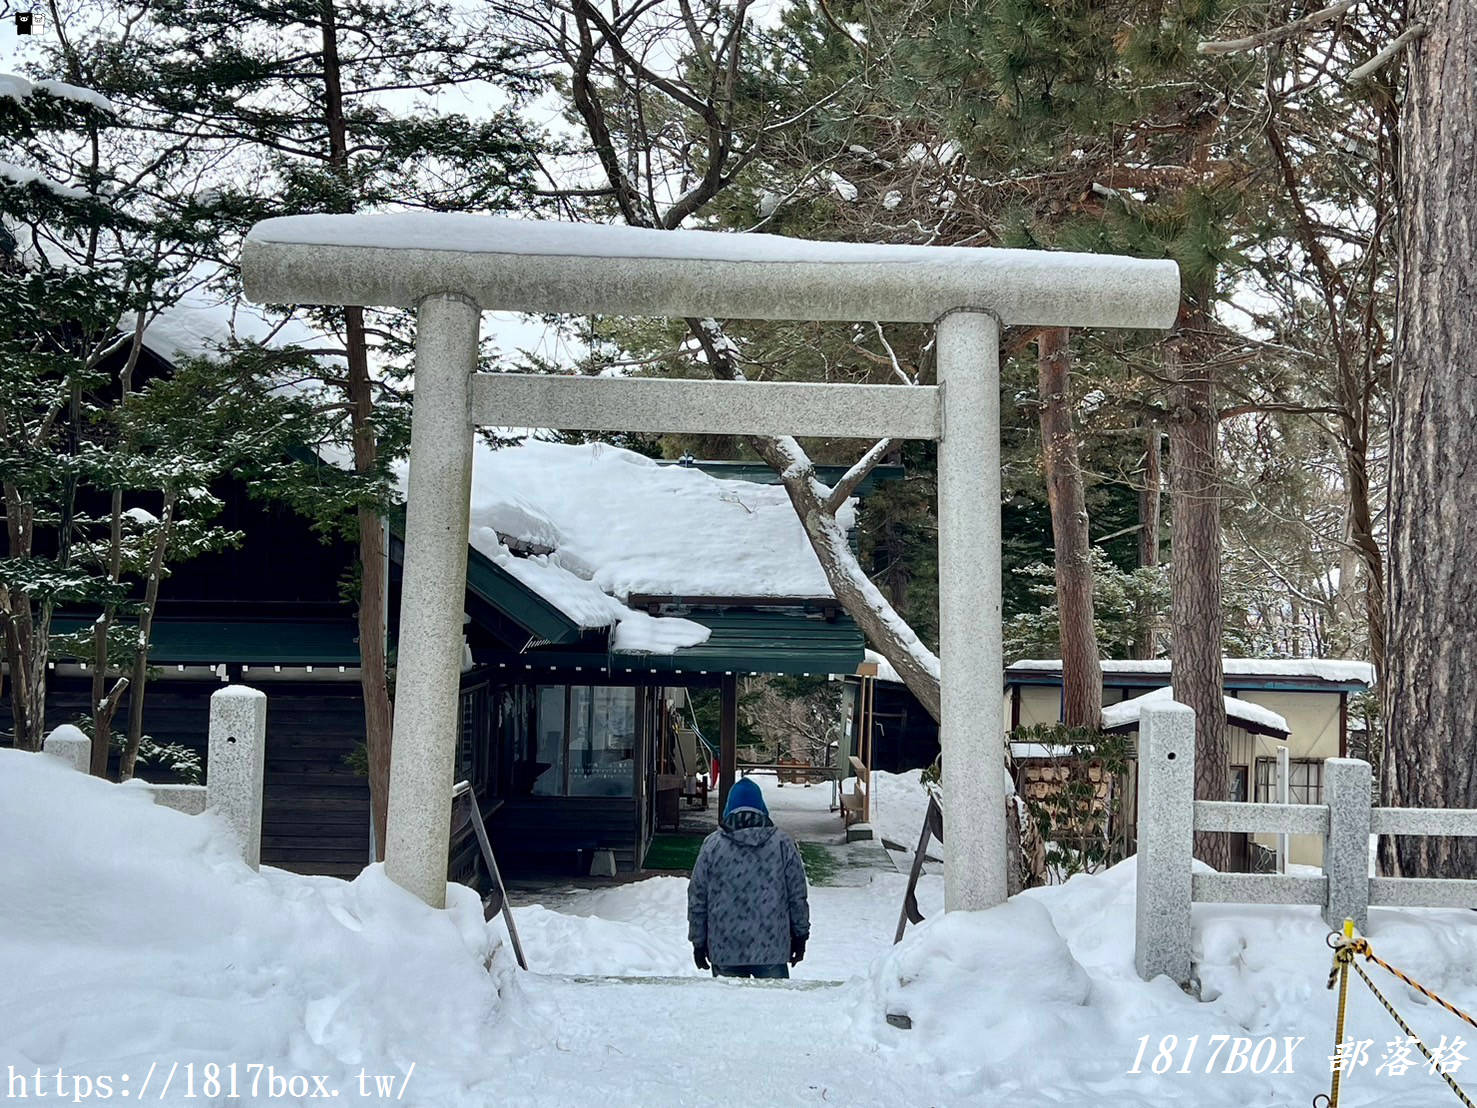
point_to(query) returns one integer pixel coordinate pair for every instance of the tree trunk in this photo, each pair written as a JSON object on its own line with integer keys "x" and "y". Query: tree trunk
{"x": 1082, "y": 671}
{"x": 1146, "y": 638}
{"x": 138, "y": 681}
{"x": 1195, "y": 575}
{"x": 103, "y": 705}
{"x": 1431, "y": 662}
{"x": 373, "y": 668}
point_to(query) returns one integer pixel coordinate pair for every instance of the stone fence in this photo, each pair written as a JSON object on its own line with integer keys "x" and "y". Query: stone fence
{"x": 235, "y": 764}
{"x": 1169, "y": 815}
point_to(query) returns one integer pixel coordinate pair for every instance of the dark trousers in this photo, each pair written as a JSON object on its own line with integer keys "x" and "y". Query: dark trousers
{"x": 778, "y": 972}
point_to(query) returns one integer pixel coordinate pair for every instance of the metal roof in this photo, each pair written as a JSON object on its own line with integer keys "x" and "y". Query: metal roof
{"x": 744, "y": 640}
{"x": 177, "y": 641}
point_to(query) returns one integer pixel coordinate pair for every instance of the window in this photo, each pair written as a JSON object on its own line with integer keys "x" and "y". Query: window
{"x": 602, "y": 741}
{"x": 1304, "y": 781}
{"x": 472, "y": 751}
{"x": 1238, "y": 784}
{"x": 579, "y": 741}
{"x": 547, "y": 777}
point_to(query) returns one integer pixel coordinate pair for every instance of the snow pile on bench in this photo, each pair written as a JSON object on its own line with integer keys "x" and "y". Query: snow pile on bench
{"x": 135, "y": 934}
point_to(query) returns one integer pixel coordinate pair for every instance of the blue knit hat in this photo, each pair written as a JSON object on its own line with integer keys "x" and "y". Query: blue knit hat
{"x": 744, "y": 794}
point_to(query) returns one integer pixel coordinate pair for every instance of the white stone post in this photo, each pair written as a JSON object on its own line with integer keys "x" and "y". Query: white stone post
{"x": 432, "y": 597}
{"x": 1284, "y": 781}
{"x": 1346, "y": 791}
{"x": 971, "y": 717}
{"x": 1166, "y": 831}
{"x": 236, "y": 761}
{"x": 71, "y": 746}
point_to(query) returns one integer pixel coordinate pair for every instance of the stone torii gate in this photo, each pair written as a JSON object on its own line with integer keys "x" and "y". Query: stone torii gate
{"x": 452, "y": 267}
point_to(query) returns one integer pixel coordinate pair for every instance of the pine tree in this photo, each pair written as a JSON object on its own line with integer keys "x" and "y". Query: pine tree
{"x": 340, "y": 106}
{"x": 106, "y": 479}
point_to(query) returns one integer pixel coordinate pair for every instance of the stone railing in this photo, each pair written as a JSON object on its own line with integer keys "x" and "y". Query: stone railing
{"x": 1169, "y": 815}
{"x": 235, "y": 764}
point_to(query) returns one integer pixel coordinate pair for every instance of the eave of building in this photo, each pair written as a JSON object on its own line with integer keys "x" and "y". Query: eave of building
{"x": 208, "y": 641}
{"x": 771, "y": 640}
{"x": 1243, "y": 682}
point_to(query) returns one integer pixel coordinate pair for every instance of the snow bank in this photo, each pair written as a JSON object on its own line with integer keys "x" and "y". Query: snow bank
{"x": 639, "y": 929}
{"x": 634, "y": 930}
{"x": 131, "y": 934}
{"x": 983, "y": 988}
{"x": 1127, "y": 712}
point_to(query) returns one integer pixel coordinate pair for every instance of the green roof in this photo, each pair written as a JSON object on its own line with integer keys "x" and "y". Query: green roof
{"x": 762, "y": 640}
{"x": 744, "y": 640}
{"x": 173, "y": 641}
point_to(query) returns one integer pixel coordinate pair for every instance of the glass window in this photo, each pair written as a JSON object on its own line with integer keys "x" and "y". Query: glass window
{"x": 1238, "y": 784}
{"x": 1304, "y": 781}
{"x": 602, "y": 741}
{"x": 545, "y": 769}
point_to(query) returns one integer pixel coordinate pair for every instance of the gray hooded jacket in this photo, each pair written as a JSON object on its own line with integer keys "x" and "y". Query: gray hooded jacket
{"x": 747, "y": 896}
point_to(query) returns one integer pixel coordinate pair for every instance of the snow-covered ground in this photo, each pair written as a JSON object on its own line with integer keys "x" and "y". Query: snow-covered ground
{"x": 131, "y": 935}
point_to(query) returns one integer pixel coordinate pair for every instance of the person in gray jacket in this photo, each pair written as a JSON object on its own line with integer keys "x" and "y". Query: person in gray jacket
{"x": 747, "y": 910}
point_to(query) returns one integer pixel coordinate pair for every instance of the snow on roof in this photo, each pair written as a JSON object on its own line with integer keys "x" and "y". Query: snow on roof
{"x": 1322, "y": 669}
{"x": 602, "y": 524}
{"x": 1127, "y": 712}
{"x": 885, "y": 671}
{"x": 619, "y": 525}
{"x": 202, "y": 322}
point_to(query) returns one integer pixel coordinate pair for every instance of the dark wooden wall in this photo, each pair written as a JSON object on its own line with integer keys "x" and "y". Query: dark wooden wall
{"x": 315, "y": 809}
{"x": 906, "y": 736}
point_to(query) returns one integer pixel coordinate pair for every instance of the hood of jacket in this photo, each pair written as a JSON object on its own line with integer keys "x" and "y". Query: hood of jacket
{"x": 748, "y": 826}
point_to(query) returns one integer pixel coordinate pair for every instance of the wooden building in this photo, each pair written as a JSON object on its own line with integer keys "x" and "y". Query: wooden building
{"x": 597, "y": 581}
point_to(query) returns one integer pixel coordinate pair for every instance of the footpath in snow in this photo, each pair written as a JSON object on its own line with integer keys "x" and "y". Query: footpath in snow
{"x": 132, "y": 936}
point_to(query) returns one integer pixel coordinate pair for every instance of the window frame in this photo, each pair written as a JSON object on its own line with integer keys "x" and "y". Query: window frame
{"x": 1310, "y": 786}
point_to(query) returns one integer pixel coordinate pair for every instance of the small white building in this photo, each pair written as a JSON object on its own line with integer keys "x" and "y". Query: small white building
{"x": 1302, "y": 703}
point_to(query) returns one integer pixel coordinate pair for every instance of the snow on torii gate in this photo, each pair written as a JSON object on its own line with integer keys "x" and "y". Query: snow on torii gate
{"x": 452, "y": 267}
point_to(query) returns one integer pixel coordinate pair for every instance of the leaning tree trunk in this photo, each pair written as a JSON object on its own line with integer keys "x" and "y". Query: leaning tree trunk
{"x": 1195, "y": 577}
{"x": 1082, "y": 671}
{"x": 1431, "y": 650}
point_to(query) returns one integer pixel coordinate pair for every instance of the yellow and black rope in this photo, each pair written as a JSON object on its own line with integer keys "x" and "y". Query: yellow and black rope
{"x": 1345, "y": 947}
{"x": 1436, "y": 1066}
